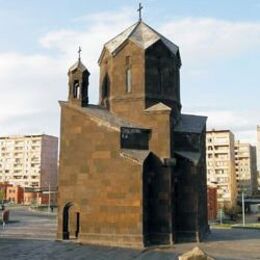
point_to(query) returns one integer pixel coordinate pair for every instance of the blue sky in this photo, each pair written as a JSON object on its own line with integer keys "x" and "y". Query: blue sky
{"x": 219, "y": 43}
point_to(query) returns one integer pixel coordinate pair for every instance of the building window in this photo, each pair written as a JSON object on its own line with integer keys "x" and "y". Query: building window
{"x": 128, "y": 80}
{"x": 128, "y": 76}
{"x": 135, "y": 138}
{"x": 76, "y": 89}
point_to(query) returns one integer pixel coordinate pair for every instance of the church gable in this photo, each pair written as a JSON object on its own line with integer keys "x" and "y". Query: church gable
{"x": 113, "y": 45}
{"x": 91, "y": 144}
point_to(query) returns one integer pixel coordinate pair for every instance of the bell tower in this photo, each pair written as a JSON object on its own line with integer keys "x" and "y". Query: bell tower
{"x": 139, "y": 68}
{"x": 78, "y": 83}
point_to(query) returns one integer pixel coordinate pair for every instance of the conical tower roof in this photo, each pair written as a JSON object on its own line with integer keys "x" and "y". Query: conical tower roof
{"x": 78, "y": 65}
{"x": 141, "y": 34}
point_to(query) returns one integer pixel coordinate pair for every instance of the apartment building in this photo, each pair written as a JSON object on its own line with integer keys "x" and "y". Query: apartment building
{"x": 29, "y": 161}
{"x": 221, "y": 165}
{"x": 14, "y": 194}
{"x": 245, "y": 165}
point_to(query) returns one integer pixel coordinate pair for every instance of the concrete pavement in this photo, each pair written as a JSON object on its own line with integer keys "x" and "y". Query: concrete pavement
{"x": 29, "y": 224}
{"x": 32, "y": 236}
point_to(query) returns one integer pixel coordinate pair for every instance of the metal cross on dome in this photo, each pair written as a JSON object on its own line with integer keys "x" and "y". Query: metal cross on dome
{"x": 140, "y": 11}
{"x": 79, "y": 51}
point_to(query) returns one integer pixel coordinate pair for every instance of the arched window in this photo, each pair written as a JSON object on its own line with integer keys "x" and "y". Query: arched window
{"x": 105, "y": 92}
{"x": 128, "y": 74}
{"x": 76, "y": 90}
{"x": 128, "y": 80}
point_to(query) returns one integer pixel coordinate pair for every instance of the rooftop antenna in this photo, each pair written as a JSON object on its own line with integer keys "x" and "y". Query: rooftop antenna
{"x": 139, "y": 10}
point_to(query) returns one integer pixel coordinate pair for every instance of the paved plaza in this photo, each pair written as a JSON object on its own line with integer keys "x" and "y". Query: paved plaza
{"x": 31, "y": 235}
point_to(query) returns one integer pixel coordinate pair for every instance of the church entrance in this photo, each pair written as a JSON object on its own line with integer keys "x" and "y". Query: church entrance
{"x": 156, "y": 204}
{"x": 71, "y": 221}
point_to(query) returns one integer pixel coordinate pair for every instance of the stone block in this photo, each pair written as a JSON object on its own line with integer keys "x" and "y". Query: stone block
{"x": 195, "y": 254}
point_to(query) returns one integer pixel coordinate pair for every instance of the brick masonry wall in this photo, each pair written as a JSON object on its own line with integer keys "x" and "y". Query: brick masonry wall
{"x": 106, "y": 187}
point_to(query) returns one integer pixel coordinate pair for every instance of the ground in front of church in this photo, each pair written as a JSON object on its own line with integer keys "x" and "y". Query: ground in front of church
{"x": 31, "y": 236}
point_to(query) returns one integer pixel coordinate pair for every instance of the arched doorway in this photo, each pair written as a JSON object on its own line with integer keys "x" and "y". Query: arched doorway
{"x": 71, "y": 221}
{"x": 156, "y": 202}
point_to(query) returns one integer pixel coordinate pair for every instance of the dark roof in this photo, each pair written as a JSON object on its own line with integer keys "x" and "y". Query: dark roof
{"x": 191, "y": 156}
{"x": 78, "y": 65}
{"x": 104, "y": 115}
{"x": 191, "y": 124}
{"x": 141, "y": 34}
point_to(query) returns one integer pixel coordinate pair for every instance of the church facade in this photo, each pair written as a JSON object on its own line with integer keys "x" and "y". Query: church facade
{"x": 132, "y": 168}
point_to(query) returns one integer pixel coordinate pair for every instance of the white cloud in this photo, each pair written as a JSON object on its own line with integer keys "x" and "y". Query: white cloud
{"x": 32, "y": 84}
{"x": 102, "y": 27}
{"x": 208, "y": 39}
{"x": 30, "y": 87}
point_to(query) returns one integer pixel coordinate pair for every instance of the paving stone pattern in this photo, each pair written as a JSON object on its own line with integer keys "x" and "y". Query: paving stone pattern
{"x": 31, "y": 236}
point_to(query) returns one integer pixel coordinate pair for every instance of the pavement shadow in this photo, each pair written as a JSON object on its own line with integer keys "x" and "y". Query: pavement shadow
{"x": 12, "y": 248}
{"x": 10, "y": 222}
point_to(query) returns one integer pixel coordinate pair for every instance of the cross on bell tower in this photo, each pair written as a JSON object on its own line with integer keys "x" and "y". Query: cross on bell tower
{"x": 139, "y": 10}
{"x": 79, "y": 52}
{"x": 78, "y": 82}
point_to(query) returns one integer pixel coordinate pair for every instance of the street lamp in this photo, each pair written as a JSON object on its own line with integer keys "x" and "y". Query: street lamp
{"x": 243, "y": 209}
{"x": 49, "y": 199}
{"x": 243, "y": 206}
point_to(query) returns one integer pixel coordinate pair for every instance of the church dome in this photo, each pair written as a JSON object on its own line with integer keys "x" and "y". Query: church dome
{"x": 142, "y": 35}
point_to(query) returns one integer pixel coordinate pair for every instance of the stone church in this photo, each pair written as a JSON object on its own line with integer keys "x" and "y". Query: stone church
{"x": 132, "y": 168}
